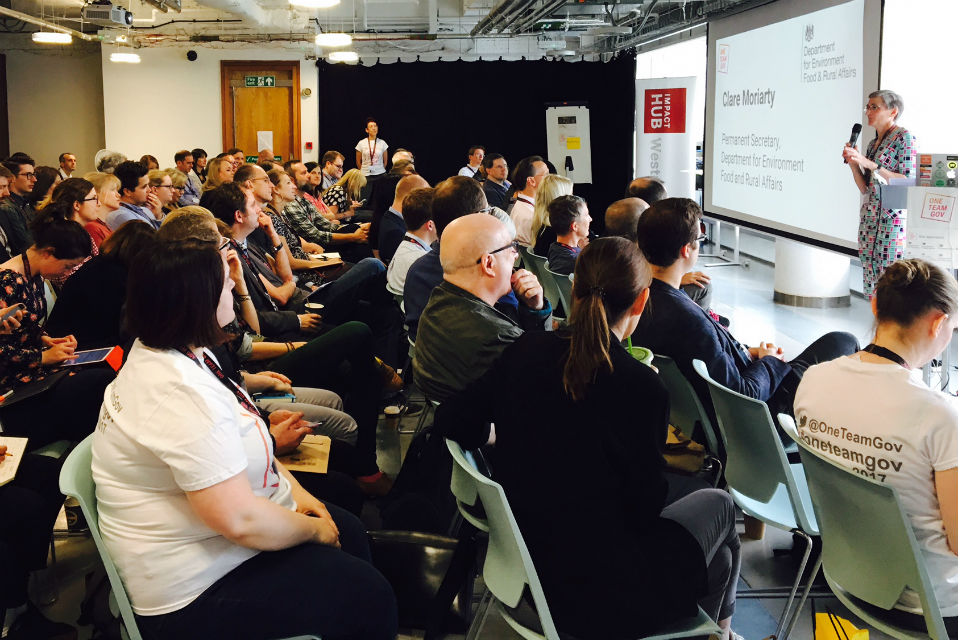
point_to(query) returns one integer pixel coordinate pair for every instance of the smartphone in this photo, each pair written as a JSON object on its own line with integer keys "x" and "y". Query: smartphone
{"x": 9, "y": 311}
{"x": 311, "y": 425}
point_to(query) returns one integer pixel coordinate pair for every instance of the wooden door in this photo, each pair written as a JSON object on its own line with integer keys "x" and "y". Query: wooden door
{"x": 248, "y": 110}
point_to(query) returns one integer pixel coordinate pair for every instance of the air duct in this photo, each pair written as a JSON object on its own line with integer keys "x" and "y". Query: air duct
{"x": 253, "y": 12}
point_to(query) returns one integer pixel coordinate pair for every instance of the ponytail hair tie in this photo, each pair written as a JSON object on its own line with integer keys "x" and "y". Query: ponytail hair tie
{"x": 597, "y": 291}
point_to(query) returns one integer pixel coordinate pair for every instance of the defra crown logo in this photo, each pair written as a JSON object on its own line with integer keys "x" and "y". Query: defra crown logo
{"x": 665, "y": 110}
{"x": 808, "y": 33}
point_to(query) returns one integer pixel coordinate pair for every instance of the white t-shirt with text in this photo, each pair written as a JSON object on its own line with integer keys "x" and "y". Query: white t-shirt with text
{"x": 882, "y": 422}
{"x": 168, "y": 426}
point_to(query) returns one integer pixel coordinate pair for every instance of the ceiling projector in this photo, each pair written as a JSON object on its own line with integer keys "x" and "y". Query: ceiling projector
{"x": 105, "y": 13}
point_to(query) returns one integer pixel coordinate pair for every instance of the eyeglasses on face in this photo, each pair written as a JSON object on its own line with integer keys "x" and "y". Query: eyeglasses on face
{"x": 94, "y": 198}
{"x": 28, "y": 176}
{"x": 513, "y": 245}
{"x": 225, "y": 245}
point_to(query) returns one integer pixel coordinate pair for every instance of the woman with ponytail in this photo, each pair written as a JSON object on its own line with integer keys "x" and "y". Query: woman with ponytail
{"x": 884, "y": 401}
{"x": 579, "y": 427}
{"x": 74, "y": 199}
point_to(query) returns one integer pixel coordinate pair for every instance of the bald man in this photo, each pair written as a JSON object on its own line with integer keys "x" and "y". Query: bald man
{"x": 392, "y": 226}
{"x": 621, "y": 219}
{"x": 648, "y": 188}
{"x": 464, "y": 327}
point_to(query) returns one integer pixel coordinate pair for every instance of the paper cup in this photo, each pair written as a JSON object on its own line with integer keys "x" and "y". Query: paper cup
{"x": 313, "y": 307}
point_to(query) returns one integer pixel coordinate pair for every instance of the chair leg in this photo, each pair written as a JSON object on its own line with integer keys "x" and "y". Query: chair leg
{"x": 479, "y": 619}
{"x": 803, "y": 597}
{"x": 796, "y": 583}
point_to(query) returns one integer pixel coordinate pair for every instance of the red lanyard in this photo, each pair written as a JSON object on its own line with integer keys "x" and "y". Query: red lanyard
{"x": 372, "y": 148}
{"x": 224, "y": 380}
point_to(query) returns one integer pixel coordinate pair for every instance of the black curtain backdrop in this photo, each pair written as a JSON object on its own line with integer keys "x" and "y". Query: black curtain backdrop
{"x": 439, "y": 109}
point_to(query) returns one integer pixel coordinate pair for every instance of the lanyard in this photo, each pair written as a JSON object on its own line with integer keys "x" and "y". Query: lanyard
{"x": 37, "y": 298}
{"x": 372, "y": 148}
{"x": 224, "y": 380}
{"x": 885, "y": 353}
{"x": 242, "y": 252}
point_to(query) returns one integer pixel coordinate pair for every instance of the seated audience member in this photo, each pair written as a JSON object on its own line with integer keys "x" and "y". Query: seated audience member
{"x": 331, "y": 169}
{"x": 285, "y": 192}
{"x": 621, "y": 219}
{"x": 74, "y": 199}
{"x": 474, "y": 167}
{"x": 237, "y": 155}
{"x": 309, "y": 223}
{"x": 107, "y": 161}
{"x": 13, "y": 209}
{"x": 191, "y": 188}
{"x": 108, "y": 201}
{"x": 47, "y": 179}
{"x": 464, "y": 328}
{"x": 420, "y": 235}
{"x": 29, "y": 356}
{"x": 527, "y": 176}
{"x": 90, "y": 305}
{"x": 199, "y": 173}
{"x": 161, "y": 188}
{"x": 68, "y": 164}
{"x": 656, "y": 560}
{"x": 265, "y": 155}
{"x": 552, "y": 187}
{"x": 342, "y": 199}
{"x": 134, "y": 197}
{"x": 179, "y": 182}
{"x": 669, "y": 234}
{"x": 570, "y": 219}
{"x": 393, "y": 227}
{"x": 30, "y": 504}
{"x": 383, "y": 192}
{"x": 220, "y": 170}
{"x": 150, "y": 162}
{"x": 916, "y": 312}
{"x": 649, "y": 189}
{"x": 199, "y": 571}
{"x": 496, "y": 187}
{"x": 6, "y": 177}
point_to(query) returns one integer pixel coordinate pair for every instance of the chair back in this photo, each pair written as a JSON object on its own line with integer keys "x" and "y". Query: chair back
{"x": 76, "y": 480}
{"x": 564, "y": 288}
{"x": 508, "y": 568}
{"x": 869, "y": 548}
{"x": 762, "y": 481}
{"x": 538, "y": 266}
{"x": 686, "y": 410}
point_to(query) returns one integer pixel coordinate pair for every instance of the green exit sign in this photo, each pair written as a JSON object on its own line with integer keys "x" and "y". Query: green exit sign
{"x": 260, "y": 81}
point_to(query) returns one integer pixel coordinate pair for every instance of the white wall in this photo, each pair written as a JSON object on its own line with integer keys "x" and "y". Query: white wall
{"x": 167, "y": 103}
{"x": 54, "y": 100}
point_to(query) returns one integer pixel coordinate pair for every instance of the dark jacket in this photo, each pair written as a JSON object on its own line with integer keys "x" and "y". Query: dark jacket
{"x": 673, "y": 325}
{"x": 13, "y": 219}
{"x": 273, "y": 323}
{"x": 392, "y": 228}
{"x": 461, "y": 336}
{"x": 90, "y": 305}
{"x": 496, "y": 194}
{"x": 585, "y": 483}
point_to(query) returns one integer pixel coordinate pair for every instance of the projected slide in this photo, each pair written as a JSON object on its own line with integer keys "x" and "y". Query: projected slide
{"x": 784, "y": 98}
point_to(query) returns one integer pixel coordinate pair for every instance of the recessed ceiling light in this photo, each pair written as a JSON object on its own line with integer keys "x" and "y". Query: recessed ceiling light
{"x": 343, "y": 56}
{"x": 333, "y": 39}
{"x": 51, "y": 37}
{"x": 315, "y": 4}
{"x": 125, "y": 57}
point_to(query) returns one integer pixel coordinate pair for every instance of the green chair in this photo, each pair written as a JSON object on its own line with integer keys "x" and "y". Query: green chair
{"x": 761, "y": 480}
{"x": 76, "y": 480}
{"x": 538, "y": 266}
{"x": 564, "y": 288}
{"x": 508, "y": 569}
{"x": 870, "y": 552}
{"x": 687, "y": 412}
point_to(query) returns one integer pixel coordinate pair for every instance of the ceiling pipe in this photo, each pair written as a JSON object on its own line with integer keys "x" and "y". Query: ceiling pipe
{"x": 530, "y": 21}
{"x": 40, "y": 22}
{"x": 488, "y": 21}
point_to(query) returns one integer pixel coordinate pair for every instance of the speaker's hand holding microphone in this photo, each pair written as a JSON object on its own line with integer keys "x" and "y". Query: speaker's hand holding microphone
{"x": 850, "y": 149}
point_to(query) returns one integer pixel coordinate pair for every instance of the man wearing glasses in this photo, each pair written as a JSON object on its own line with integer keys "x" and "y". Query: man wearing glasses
{"x": 13, "y": 219}
{"x": 191, "y": 191}
{"x": 332, "y": 169}
{"x": 465, "y": 326}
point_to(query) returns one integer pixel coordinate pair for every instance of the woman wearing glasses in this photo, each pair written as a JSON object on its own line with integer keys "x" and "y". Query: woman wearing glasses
{"x": 74, "y": 199}
{"x": 891, "y": 154}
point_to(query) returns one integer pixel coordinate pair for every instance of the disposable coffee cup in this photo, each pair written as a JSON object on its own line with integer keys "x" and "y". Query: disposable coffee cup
{"x": 76, "y": 523}
{"x": 314, "y": 307}
{"x": 391, "y": 415}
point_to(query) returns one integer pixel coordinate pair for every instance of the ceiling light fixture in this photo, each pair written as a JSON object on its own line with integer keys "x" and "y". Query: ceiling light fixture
{"x": 125, "y": 57}
{"x": 51, "y": 37}
{"x": 333, "y": 40}
{"x": 315, "y": 4}
{"x": 343, "y": 56}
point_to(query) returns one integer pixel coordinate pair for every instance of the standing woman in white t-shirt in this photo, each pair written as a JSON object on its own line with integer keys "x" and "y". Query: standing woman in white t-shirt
{"x": 372, "y": 151}
{"x": 211, "y": 535}
{"x": 888, "y": 426}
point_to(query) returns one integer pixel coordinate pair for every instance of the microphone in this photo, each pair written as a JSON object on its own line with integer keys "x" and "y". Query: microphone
{"x": 854, "y": 135}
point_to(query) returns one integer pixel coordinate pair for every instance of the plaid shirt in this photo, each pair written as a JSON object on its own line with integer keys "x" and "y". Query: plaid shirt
{"x": 308, "y": 223}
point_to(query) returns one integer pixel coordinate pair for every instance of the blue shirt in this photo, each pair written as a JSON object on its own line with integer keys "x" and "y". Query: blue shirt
{"x": 191, "y": 195}
{"x": 128, "y": 212}
{"x": 425, "y": 274}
